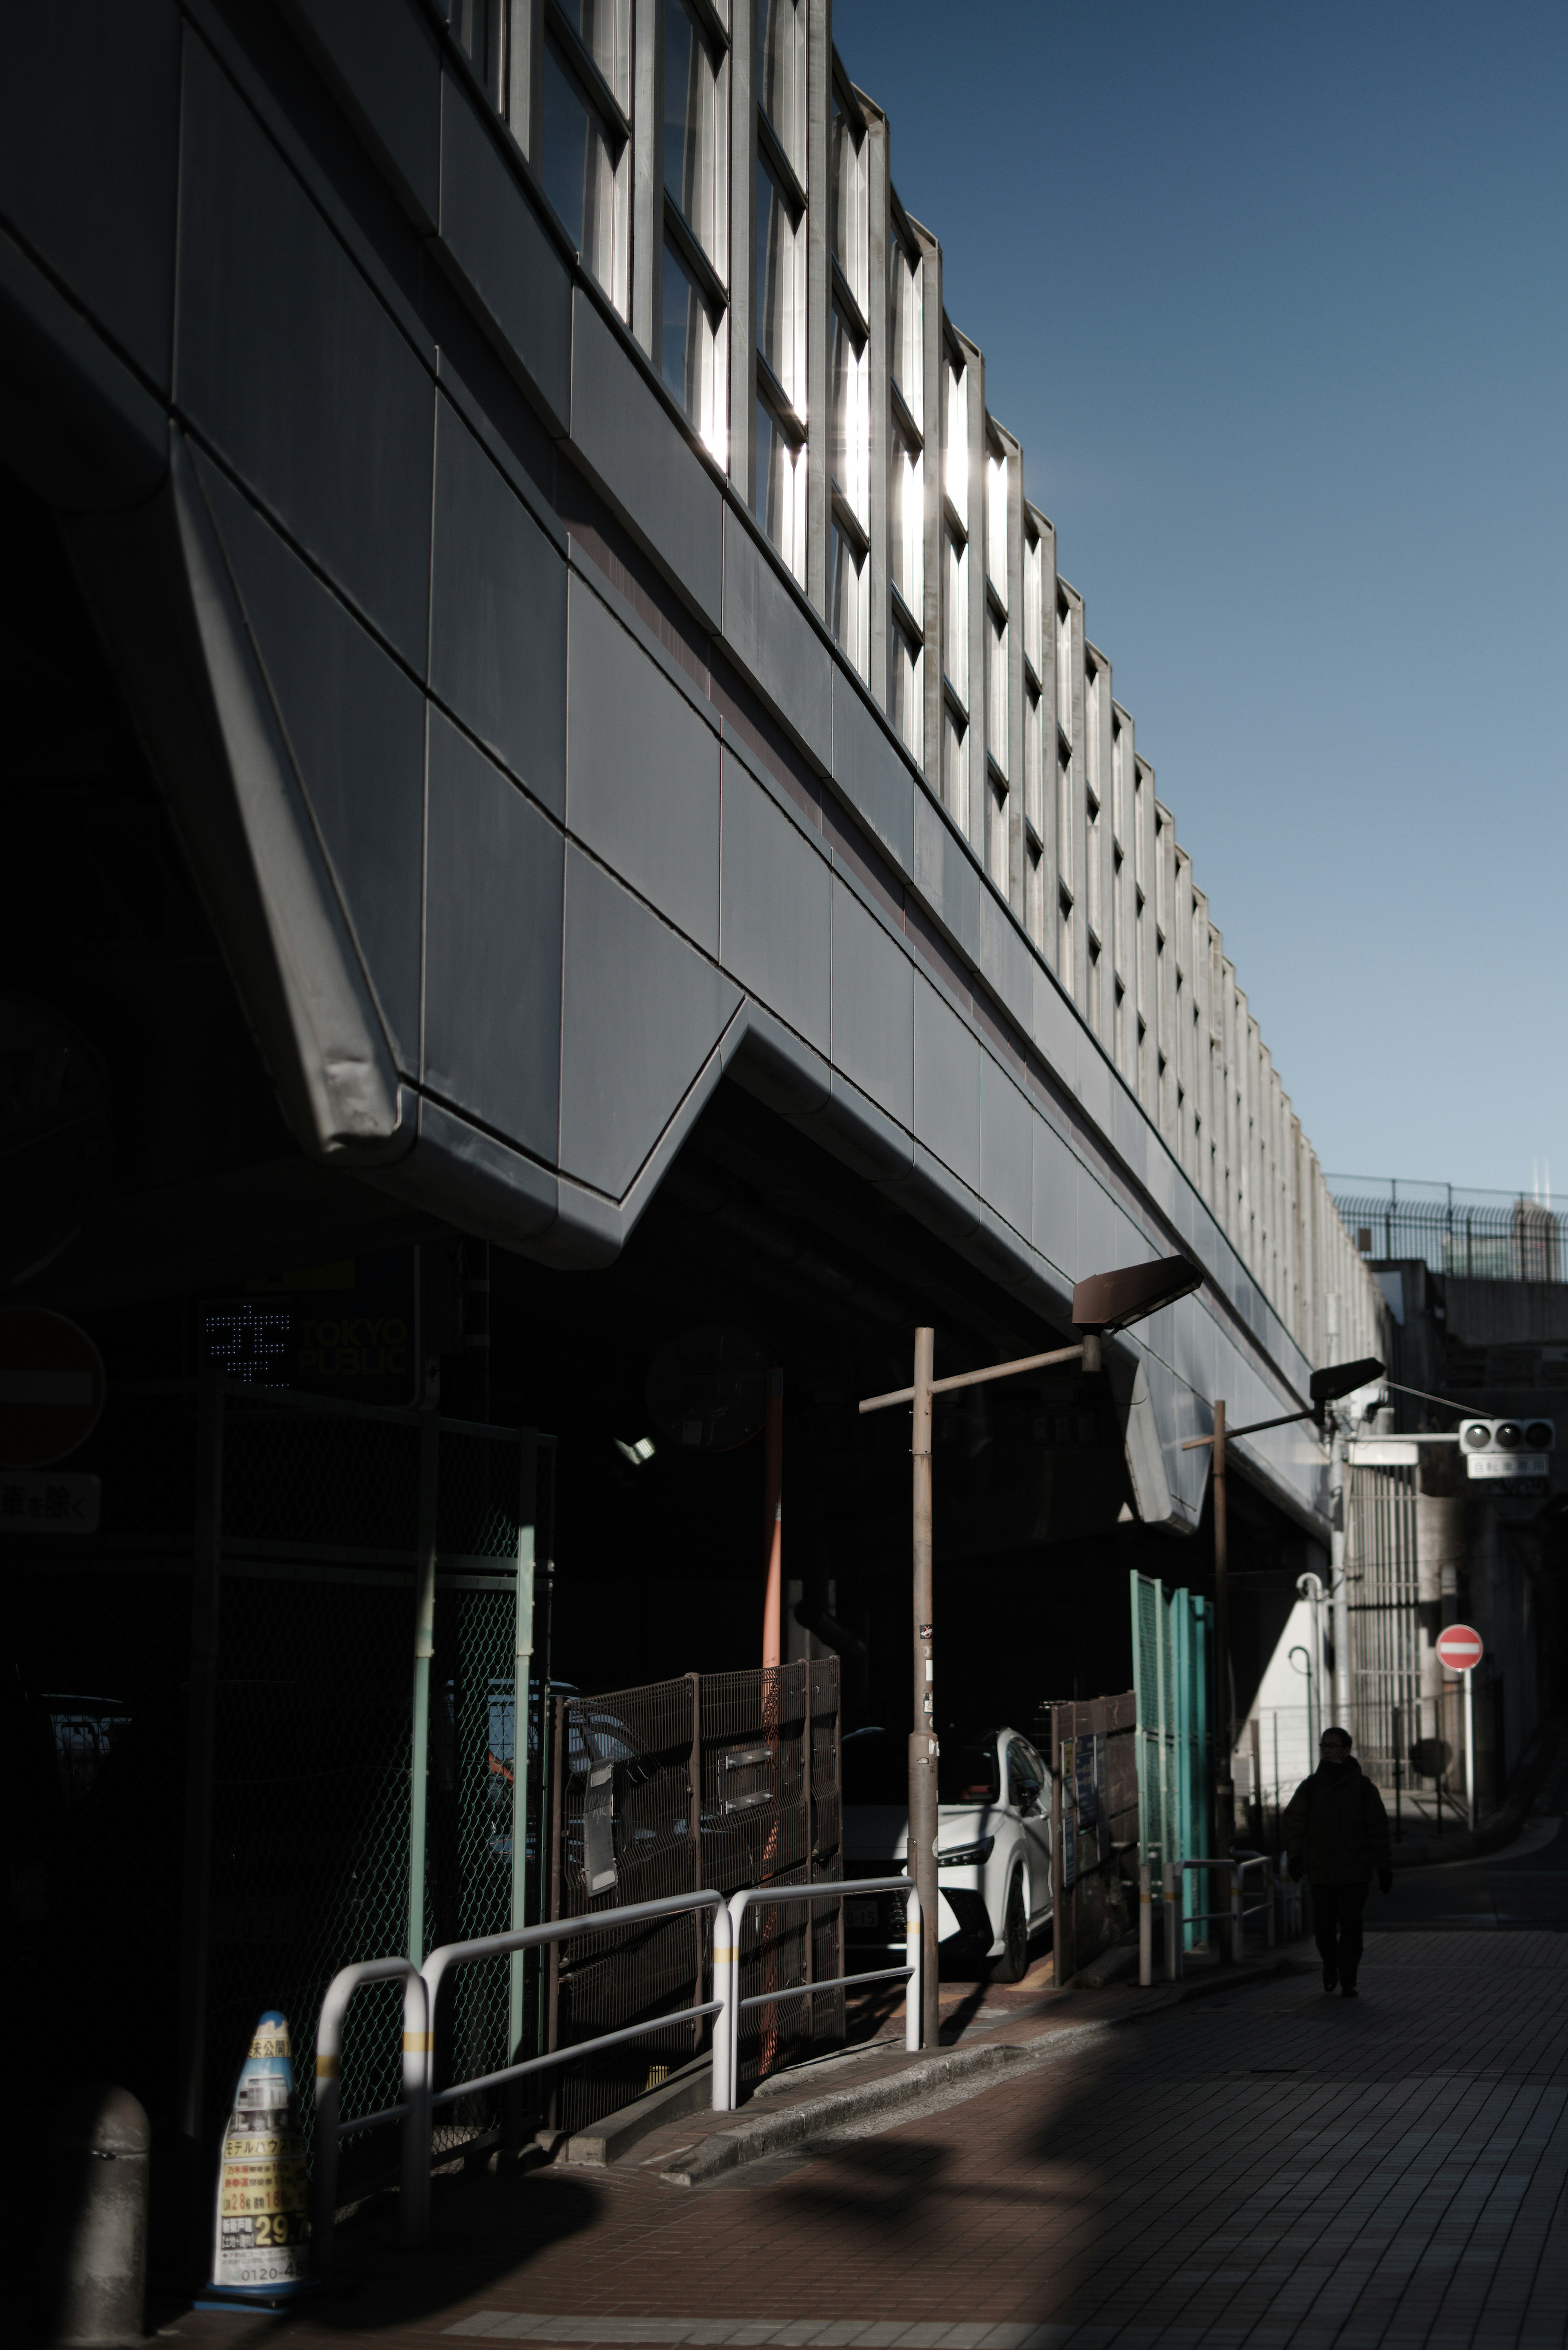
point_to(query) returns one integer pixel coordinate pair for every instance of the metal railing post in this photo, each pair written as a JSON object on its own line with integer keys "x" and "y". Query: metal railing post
{"x": 1171, "y": 1889}
{"x": 914, "y": 1942}
{"x": 329, "y": 2126}
{"x": 1238, "y": 1916}
{"x": 726, "y": 1963}
{"x": 1145, "y": 1926}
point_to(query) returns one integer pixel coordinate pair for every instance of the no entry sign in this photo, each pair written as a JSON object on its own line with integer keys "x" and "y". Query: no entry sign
{"x": 51, "y": 1386}
{"x": 1460, "y": 1648}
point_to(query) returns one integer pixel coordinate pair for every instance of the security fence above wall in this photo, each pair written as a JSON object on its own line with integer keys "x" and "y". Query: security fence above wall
{"x": 722, "y": 1780}
{"x": 1478, "y": 1235}
{"x": 221, "y": 1719}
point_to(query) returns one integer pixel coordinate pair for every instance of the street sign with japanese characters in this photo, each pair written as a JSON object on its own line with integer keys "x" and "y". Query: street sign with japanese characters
{"x": 49, "y": 1502}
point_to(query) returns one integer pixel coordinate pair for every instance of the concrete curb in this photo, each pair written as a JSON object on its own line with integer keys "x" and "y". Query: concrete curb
{"x": 755, "y": 2136}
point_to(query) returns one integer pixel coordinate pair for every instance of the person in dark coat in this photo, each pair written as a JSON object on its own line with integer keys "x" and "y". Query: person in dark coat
{"x": 1336, "y": 1834}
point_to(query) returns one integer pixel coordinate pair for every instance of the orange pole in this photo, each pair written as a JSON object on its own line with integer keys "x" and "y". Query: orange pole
{"x": 773, "y": 1527}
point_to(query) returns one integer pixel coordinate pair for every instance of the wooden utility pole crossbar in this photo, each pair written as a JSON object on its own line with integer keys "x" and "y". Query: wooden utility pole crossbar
{"x": 977, "y": 1378}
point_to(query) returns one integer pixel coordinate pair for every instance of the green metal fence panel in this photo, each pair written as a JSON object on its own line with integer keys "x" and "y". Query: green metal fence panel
{"x": 1170, "y": 1681}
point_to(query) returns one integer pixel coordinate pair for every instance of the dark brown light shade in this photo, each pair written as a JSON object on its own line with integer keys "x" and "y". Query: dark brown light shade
{"x": 1336, "y": 1380}
{"x": 1109, "y": 1300}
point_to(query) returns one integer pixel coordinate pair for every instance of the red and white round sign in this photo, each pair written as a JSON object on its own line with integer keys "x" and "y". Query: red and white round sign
{"x": 1460, "y": 1648}
{"x": 51, "y": 1386}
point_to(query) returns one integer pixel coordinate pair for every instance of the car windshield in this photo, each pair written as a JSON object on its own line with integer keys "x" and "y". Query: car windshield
{"x": 966, "y": 1769}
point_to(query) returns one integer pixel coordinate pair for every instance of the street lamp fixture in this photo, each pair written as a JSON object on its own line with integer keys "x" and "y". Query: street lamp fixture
{"x": 1325, "y": 1387}
{"x": 1104, "y": 1302}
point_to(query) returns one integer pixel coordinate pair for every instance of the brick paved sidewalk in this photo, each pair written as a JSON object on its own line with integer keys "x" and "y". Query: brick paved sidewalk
{"x": 1267, "y": 2168}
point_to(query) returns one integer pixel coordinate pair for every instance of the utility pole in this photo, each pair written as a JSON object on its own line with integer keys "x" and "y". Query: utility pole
{"x": 1106, "y": 1302}
{"x": 1338, "y": 1581}
{"x": 1225, "y": 1742}
{"x": 1325, "y": 1386}
{"x": 922, "y": 1850}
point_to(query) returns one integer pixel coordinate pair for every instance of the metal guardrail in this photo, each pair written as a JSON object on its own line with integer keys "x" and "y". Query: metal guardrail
{"x": 727, "y": 2030}
{"x": 416, "y": 2110}
{"x": 1234, "y": 1916}
{"x": 330, "y": 2128}
{"x": 422, "y": 1989}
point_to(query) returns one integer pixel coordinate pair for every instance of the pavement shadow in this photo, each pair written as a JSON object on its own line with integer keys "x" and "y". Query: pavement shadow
{"x": 481, "y": 2229}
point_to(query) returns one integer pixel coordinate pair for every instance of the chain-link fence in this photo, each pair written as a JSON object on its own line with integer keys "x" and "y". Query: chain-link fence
{"x": 212, "y": 1730}
{"x": 719, "y": 1780}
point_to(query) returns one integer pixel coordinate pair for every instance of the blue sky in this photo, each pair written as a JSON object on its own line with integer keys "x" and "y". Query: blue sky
{"x": 1276, "y": 299}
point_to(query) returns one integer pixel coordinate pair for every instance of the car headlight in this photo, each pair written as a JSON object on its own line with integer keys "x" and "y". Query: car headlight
{"x": 967, "y": 1855}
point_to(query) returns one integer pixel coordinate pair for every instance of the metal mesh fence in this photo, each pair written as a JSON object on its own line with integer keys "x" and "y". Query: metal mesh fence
{"x": 1384, "y": 1622}
{"x": 723, "y": 1780}
{"x": 1481, "y": 1235}
{"x": 311, "y": 1567}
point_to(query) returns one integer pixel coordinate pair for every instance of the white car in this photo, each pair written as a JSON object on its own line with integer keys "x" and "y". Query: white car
{"x": 994, "y": 1842}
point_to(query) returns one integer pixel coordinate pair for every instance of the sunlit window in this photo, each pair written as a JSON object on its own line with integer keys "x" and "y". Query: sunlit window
{"x": 996, "y": 687}
{"x": 779, "y": 292}
{"x": 1065, "y": 670}
{"x": 996, "y": 846}
{"x": 778, "y": 493}
{"x": 849, "y": 159}
{"x": 908, "y": 329}
{"x": 585, "y": 172}
{"x": 848, "y": 591}
{"x": 781, "y": 76}
{"x": 694, "y": 284}
{"x": 692, "y": 349}
{"x": 906, "y": 517}
{"x": 1033, "y": 650}
{"x": 955, "y": 455}
{"x": 1033, "y": 748}
{"x": 906, "y": 688}
{"x": 1035, "y": 894}
{"x": 996, "y": 522}
{"x": 693, "y": 176}
{"x": 955, "y": 767}
{"x": 849, "y": 419}
{"x": 604, "y": 28}
{"x": 955, "y": 644}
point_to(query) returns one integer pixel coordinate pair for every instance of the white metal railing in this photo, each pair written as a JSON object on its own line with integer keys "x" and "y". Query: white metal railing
{"x": 727, "y": 2030}
{"x": 329, "y": 2127}
{"x": 1234, "y": 1916}
{"x": 416, "y": 2110}
{"x": 422, "y": 1989}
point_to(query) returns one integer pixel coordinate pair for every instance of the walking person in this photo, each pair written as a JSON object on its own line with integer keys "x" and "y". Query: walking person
{"x": 1336, "y": 1835}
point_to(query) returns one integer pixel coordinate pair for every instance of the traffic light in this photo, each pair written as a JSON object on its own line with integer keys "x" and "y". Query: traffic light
{"x": 1507, "y": 1449}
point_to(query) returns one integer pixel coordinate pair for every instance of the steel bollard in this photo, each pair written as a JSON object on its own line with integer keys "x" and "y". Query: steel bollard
{"x": 1145, "y": 1926}
{"x": 96, "y": 2250}
{"x": 1170, "y": 1888}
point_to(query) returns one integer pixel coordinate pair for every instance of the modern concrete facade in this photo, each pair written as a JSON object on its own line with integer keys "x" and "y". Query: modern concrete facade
{"x": 586, "y": 623}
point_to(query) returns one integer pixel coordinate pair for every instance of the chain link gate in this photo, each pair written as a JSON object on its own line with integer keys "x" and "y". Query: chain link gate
{"x": 721, "y": 1780}
{"x": 215, "y": 1735}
